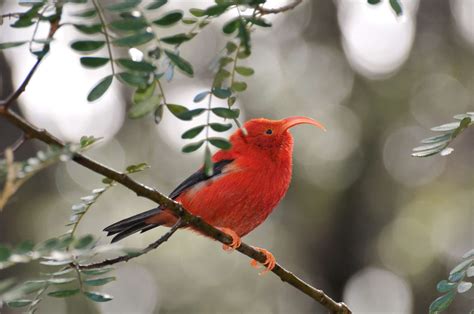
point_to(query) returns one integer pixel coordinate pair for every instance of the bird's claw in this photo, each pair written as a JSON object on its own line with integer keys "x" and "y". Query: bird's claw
{"x": 236, "y": 241}
{"x": 269, "y": 263}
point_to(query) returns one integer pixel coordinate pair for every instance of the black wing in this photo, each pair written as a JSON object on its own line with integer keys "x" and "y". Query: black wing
{"x": 136, "y": 223}
{"x": 199, "y": 176}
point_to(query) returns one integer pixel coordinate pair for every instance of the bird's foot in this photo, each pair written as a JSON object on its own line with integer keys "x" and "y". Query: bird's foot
{"x": 236, "y": 241}
{"x": 269, "y": 263}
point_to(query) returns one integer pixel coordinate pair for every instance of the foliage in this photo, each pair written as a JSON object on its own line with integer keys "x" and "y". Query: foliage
{"x": 439, "y": 144}
{"x": 156, "y": 57}
{"x": 61, "y": 278}
{"x": 13, "y": 174}
{"x": 456, "y": 283}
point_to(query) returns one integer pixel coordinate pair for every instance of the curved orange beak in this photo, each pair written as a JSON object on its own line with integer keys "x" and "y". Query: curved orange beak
{"x": 292, "y": 121}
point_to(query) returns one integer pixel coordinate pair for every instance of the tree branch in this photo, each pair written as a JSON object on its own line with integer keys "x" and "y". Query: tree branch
{"x": 126, "y": 258}
{"x": 290, "y": 6}
{"x": 186, "y": 217}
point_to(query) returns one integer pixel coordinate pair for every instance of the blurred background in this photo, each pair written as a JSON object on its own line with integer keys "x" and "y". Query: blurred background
{"x": 362, "y": 220}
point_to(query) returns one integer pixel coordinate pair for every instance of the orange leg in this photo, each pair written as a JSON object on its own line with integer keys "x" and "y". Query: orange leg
{"x": 236, "y": 241}
{"x": 269, "y": 263}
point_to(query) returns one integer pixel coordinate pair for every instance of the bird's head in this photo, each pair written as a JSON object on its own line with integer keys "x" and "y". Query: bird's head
{"x": 269, "y": 134}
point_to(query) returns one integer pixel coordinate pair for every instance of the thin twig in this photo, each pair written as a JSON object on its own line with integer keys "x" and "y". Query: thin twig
{"x": 126, "y": 258}
{"x": 106, "y": 34}
{"x": 17, "y": 144}
{"x": 53, "y": 27}
{"x": 291, "y": 6}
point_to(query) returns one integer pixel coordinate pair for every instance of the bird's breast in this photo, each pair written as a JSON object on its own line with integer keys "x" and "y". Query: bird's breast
{"x": 243, "y": 196}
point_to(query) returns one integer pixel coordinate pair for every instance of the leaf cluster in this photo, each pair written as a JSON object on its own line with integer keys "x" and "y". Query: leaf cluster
{"x": 456, "y": 283}
{"x": 439, "y": 144}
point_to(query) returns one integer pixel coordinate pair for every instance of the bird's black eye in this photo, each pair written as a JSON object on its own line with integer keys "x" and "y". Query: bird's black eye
{"x": 269, "y": 132}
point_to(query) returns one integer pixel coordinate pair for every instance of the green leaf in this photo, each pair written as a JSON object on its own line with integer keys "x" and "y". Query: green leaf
{"x": 86, "y": 13}
{"x": 23, "y": 22}
{"x": 190, "y": 114}
{"x": 144, "y": 108}
{"x": 462, "y": 266}
{"x": 96, "y": 271}
{"x": 125, "y": 5}
{"x": 64, "y": 293}
{"x": 220, "y": 142}
{"x": 98, "y": 297}
{"x": 225, "y": 61}
{"x": 156, "y": 4}
{"x": 258, "y": 21}
{"x": 93, "y": 62}
{"x": 129, "y": 24}
{"x": 442, "y": 303}
{"x": 89, "y": 29}
{"x": 137, "y": 168}
{"x": 468, "y": 254}
{"x": 226, "y": 112}
{"x": 373, "y": 1}
{"x": 176, "y": 39}
{"x": 464, "y": 286}
{"x": 134, "y": 40}
{"x": 426, "y": 153}
{"x": 19, "y": 303}
{"x": 100, "y": 88}
{"x": 193, "y": 132}
{"x": 244, "y": 37}
{"x": 239, "y": 86}
{"x": 12, "y": 44}
{"x": 169, "y": 18}
{"x": 244, "y": 71}
{"x": 24, "y": 247}
{"x": 177, "y": 110}
{"x": 158, "y": 114}
{"x": 182, "y": 64}
{"x": 462, "y": 125}
{"x": 196, "y": 12}
{"x": 84, "y": 242}
{"x": 61, "y": 281}
{"x": 231, "y": 26}
{"x": 5, "y": 254}
{"x": 217, "y": 9}
{"x": 134, "y": 80}
{"x": 142, "y": 94}
{"x": 141, "y": 66}
{"x": 200, "y": 97}
{"x": 396, "y": 6}
{"x": 445, "y": 286}
{"x": 221, "y": 93}
{"x": 32, "y": 286}
{"x": 87, "y": 45}
{"x": 219, "y": 127}
{"x": 192, "y": 147}
{"x": 208, "y": 164}
{"x": 231, "y": 101}
{"x": 86, "y": 141}
{"x": 99, "y": 281}
{"x": 437, "y": 139}
{"x": 231, "y": 47}
{"x": 189, "y": 20}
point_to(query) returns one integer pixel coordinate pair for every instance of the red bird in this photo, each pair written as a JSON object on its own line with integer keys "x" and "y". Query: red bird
{"x": 247, "y": 183}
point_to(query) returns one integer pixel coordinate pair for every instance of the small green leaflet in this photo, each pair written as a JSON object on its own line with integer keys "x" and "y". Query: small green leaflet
{"x": 100, "y": 88}
{"x": 182, "y": 64}
{"x": 169, "y": 18}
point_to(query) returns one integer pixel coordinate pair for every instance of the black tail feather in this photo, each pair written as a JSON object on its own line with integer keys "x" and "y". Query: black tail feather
{"x": 131, "y": 225}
